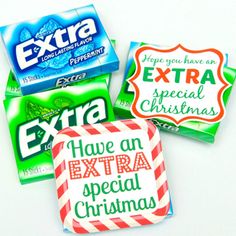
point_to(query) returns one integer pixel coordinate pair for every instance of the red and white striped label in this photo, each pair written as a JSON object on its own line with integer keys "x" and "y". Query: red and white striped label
{"x": 110, "y": 176}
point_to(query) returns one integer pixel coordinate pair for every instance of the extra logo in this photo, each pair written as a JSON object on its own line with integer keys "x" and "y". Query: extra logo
{"x": 35, "y": 51}
{"x": 179, "y": 84}
{"x": 67, "y": 80}
{"x": 35, "y": 136}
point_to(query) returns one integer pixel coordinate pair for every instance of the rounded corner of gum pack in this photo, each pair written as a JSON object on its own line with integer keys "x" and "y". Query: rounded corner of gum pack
{"x": 110, "y": 176}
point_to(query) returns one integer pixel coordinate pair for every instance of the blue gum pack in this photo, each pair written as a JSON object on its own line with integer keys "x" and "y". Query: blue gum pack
{"x": 58, "y": 49}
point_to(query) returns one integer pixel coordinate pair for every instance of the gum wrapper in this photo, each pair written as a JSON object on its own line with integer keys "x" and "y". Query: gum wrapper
{"x": 56, "y": 50}
{"x": 35, "y": 119}
{"x": 180, "y": 90}
{"x": 102, "y": 171}
{"x": 13, "y": 88}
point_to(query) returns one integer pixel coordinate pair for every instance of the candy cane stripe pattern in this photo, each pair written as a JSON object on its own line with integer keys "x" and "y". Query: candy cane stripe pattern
{"x": 110, "y": 176}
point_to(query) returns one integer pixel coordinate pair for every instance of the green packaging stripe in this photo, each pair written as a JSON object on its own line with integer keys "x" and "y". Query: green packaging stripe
{"x": 35, "y": 119}
{"x": 194, "y": 129}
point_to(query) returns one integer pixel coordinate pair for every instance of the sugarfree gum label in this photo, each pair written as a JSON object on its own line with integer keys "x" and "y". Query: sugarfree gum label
{"x": 178, "y": 84}
{"x": 34, "y": 120}
{"x": 106, "y": 168}
{"x": 58, "y": 49}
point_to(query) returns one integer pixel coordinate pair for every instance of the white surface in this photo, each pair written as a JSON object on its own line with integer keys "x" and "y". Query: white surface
{"x": 201, "y": 176}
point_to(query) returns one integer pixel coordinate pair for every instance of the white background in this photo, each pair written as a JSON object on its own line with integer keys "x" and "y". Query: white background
{"x": 202, "y": 177}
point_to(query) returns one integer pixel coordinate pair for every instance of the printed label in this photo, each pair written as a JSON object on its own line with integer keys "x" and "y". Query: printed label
{"x": 179, "y": 84}
{"x": 108, "y": 175}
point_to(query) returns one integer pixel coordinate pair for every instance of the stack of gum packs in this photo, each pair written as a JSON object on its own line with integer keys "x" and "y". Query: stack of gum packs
{"x": 46, "y": 54}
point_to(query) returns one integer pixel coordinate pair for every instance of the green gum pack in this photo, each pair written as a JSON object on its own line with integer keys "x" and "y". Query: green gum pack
{"x": 35, "y": 119}
{"x": 197, "y": 129}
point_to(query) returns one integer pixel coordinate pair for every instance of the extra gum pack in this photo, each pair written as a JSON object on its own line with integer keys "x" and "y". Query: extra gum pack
{"x": 35, "y": 119}
{"x": 58, "y": 49}
{"x": 181, "y": 90}
{"x": 110, "y": 176}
